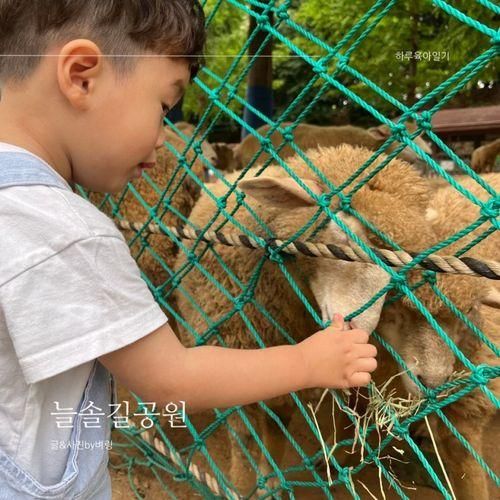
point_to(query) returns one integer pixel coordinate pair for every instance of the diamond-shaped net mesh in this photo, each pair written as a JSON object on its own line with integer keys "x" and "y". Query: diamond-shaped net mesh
{"x": 431, "y": 405}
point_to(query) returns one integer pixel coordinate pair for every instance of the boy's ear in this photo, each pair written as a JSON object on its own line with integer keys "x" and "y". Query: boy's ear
{"x": 79, "y": 62}
{"x": 282, "y": 192}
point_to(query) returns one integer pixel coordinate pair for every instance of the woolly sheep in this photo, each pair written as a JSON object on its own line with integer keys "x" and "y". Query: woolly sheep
{"x": 225, "y": 156}
{"x": 427, "y": 355}
{"x": 132, "y": 210}
{"x": 484, "y": 158}
{"x": 188, "y": 129}
{"x": 479, "y": 298}
{"x": 449, "y": 212}
{"x": 393, "y": 201}
{"x": 150, "y": 192}
{"x": 311, "y": 136}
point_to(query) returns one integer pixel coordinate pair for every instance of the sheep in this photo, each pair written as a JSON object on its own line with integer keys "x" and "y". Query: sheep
{"x": 484, "y": 158}
{"x": 427, "y": 355}
{"x": 225, "y": 156}
{"x": 452, "y": 285}
{"x": 188, "y": 129}
{"x": 432, "y": 361}
{"x": 310, "y": 136}
{"x": 449, "y": 212}
{"x": 393, "y": 201}
{"x": 183, "y": 199}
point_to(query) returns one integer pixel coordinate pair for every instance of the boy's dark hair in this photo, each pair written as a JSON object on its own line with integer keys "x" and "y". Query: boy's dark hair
{"x": 119, "y": 27}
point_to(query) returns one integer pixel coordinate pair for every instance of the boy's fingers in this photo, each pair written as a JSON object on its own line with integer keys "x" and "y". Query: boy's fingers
{"x": 365, "y": 365}
{"x": 338, "y": 321}
{"x": 366, "y": 350}
{"x": 359, "y": 379}
{"x": 360, "y": 336}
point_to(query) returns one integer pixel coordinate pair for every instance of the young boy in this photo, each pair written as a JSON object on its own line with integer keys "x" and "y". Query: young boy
{"x": 72, "y": 304}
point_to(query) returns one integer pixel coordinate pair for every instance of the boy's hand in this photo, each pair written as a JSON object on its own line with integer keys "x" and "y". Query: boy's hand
{"x": 338, "y": 359}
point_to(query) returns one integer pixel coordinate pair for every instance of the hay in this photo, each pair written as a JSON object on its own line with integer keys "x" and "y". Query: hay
{"x": 439, "y": 458}
{"x": 384, "y": 408}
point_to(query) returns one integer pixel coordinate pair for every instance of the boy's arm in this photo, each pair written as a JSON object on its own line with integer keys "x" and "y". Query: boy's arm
{"x": 159, "y": 368}
{"x": 221, "y": 377}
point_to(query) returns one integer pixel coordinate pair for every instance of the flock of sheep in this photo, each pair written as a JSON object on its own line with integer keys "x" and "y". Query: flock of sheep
{"x": 414, "y": 211}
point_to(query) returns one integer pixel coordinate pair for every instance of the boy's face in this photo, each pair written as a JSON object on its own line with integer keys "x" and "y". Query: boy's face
{"x": 113, "y": 125}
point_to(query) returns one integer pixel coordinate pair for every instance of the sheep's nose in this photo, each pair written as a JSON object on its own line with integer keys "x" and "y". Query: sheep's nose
{"x": 432, "y": 380}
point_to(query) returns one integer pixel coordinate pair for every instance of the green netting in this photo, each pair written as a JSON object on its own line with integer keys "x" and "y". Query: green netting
{"x": 327, "y": 70}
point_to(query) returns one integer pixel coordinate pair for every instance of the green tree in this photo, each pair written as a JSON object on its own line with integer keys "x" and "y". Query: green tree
{"x": 226, "y": 34}
{"x": 410, "y": 26}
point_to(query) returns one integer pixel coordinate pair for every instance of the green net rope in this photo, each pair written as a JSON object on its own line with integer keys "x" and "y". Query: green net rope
{"x": 223, "y": 92}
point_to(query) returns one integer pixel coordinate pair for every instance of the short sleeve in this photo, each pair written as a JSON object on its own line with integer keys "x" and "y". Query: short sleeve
{"x": 81, "y": 303}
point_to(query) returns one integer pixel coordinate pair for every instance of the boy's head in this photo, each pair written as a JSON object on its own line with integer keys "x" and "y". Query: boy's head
{"x": 87, "y": 82}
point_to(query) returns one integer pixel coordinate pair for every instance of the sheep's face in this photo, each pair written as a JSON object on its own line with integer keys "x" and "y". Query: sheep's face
{"x": 410, "y": 156}
{"x": 186, "y": 132}
{"x": 338, "y": 286}
{"x": 423, "y": 350}
{"x": 343, "y": 287}
{"x": 225, "y": 156}
{"x": 209, "y": 152}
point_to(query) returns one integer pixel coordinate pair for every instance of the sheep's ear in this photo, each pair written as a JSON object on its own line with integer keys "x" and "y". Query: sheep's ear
{"x": 281, "y": 192}
{"x": 380, "y": 133}
{"x": 492, "y": 298}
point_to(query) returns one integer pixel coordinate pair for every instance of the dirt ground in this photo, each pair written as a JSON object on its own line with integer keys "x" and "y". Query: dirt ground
{"x": 149, "y": 487}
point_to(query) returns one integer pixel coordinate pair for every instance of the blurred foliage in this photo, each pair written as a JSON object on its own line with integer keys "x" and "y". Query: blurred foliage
{"x": 410, "y": 25}
{"x": 226, "y": 35}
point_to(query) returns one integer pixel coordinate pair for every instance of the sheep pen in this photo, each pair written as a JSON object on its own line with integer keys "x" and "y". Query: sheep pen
{"x": 166, "y": 192}
{"x": 426, "y": 427}
{"x": 396, "y": 202}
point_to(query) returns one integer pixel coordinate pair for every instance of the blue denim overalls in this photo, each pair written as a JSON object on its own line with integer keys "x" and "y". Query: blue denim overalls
{"x": 86, "y": 475}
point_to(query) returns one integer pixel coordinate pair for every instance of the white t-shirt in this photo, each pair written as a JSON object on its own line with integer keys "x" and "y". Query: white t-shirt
{"x": 69, "y": 292}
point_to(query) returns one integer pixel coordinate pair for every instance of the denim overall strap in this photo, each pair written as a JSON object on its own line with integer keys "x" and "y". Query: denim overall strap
{"x": 85, "y": 475}
{"x": 24, "y": 169}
